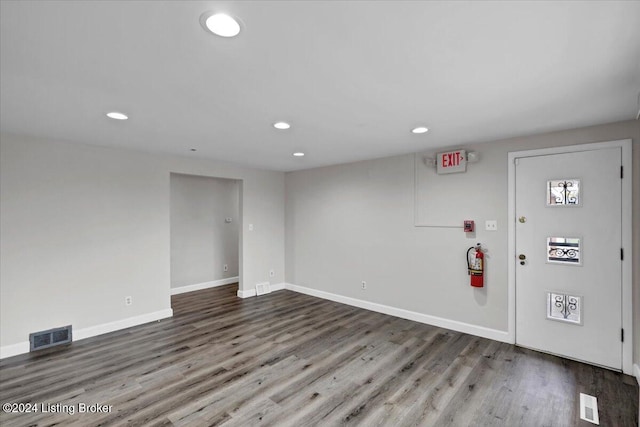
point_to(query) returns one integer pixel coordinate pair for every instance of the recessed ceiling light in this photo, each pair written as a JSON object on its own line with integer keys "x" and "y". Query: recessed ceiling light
{"x": 221, "y": 24}
{"x": 420, "y": 129}
{"x": 298, "y": 154}
{"x": 281, "y": 125}
{"x": 117, "y": 116}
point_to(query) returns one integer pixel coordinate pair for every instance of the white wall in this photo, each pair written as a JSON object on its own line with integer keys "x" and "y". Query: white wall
{"x": 354, "y": 222}
{"x": 84, "y": 226}
{"x": 201, "y": 241}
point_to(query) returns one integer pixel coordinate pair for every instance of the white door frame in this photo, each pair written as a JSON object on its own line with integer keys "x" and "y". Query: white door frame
{"x": 627, "y": 214}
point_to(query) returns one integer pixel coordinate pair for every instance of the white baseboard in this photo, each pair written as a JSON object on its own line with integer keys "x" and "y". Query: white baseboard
{"x": 247, "y": 293}
{"x": 205, "y": 285}
{"x": 14, "y": 349}
{"x": 105, "y": 328}
{"x": 636, "y": 372}
{"x": 92, "y": 331}
{"x": 467, "y": 328}
{"x": 278, "y": 287}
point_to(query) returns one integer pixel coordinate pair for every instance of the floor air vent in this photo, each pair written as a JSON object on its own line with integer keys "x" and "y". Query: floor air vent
{"x": 263, "y": 288}
{"x": 50, "y": 338}
{"x": 589, "y": 408}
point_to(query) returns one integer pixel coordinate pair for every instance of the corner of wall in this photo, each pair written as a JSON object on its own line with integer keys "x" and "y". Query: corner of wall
{"x": 247, "y": 293}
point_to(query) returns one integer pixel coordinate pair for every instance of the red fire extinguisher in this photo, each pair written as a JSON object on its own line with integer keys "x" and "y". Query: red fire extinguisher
{"x": 475, "y": 266}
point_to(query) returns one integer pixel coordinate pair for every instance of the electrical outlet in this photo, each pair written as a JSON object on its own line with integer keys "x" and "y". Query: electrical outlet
{"x": 491, "y": 225}
{"x": 272, "y": 273}
{"x": 225, "y": 267}
{"x": 128, "y": 300}
{"x": 364, "y": 285}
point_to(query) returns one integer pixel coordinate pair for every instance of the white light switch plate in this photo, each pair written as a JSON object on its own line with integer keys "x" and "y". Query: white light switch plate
{"x": 491, "y": 225}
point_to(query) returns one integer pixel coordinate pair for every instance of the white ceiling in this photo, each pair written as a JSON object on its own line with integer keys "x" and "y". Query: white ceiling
{"x": 352, "y": 78}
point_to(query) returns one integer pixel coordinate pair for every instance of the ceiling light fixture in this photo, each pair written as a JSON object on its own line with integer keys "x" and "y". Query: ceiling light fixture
{"x": 420, "y": 129}
{"x": 298, "y": 154}
{"x": 117, "y": 116}
{"x": 281, "y": 125}
{"x": 220, "y": 24}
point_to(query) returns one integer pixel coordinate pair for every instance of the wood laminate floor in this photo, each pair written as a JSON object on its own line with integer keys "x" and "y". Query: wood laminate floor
{"x": 286, "y": 359}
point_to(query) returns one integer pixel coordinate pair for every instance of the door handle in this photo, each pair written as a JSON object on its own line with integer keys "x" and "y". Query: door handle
{"x": 522, "y": 257}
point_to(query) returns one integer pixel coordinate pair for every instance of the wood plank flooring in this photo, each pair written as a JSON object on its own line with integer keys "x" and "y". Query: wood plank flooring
{"x": 286, "y": 359}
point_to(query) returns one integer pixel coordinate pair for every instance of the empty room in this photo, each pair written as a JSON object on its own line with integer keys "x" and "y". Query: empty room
{"x": 319, "y": 213}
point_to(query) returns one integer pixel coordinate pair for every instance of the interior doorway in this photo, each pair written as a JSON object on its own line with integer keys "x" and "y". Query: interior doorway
{"x": 205, "y": 226}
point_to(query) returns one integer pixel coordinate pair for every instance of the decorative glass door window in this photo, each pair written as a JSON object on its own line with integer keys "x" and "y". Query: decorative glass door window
{"x": 563, "y": 192}
{"x": 566, "y": 308}
{"x": 564, "y": 250}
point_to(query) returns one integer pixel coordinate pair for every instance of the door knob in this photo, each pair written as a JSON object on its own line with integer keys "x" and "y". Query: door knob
{"x": 522, "y": 256}
{"x": 522, "y": 220}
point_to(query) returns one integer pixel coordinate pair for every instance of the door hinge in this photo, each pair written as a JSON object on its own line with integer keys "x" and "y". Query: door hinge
{"x": 622, "y": 335}
{"x": 621, "y": 254}
{"x": 621, "y": 172}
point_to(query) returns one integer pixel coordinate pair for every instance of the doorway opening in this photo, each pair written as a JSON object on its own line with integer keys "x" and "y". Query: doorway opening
{"x": 205, "y": 227}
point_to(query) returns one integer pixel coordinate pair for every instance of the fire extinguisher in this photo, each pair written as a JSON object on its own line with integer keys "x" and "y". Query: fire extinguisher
{"x": 475, "y": 266}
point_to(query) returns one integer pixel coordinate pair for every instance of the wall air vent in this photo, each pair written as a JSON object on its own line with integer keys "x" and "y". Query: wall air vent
{"x": 263, "y": 288}
{"x": 50, "y": 338}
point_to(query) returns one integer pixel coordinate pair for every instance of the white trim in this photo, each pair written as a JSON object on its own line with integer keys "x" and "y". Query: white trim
{"x": 105, "y": 328}
{"x": 247, "y": 293}
{"x": 627, "y": 263}
{"x": 627, "y": 212}
{"x": 92, "y": 331}
{"x": 205, "y": 285}
{"x": 278, "y": 287}
{"x": 467, "y": 328}
{"x": 636, "y": 372}
{"x": 511, "y": 248}
{"x": 14, "y": 349}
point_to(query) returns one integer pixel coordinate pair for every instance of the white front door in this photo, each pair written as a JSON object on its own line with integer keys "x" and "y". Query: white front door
{"x": 568, "y": 270}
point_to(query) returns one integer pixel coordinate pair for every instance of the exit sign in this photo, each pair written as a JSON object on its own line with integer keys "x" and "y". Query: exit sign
{"x": 452, "y": 162}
